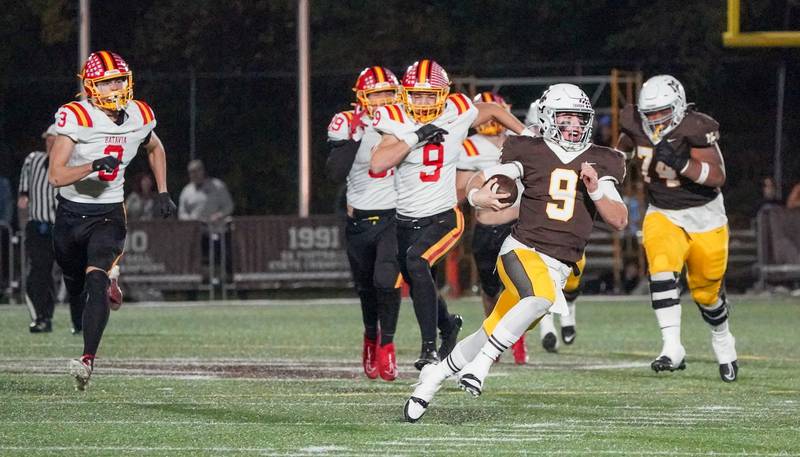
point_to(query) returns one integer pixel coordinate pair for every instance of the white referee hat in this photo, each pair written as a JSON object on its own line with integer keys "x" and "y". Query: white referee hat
{"x": 51, "y": 131}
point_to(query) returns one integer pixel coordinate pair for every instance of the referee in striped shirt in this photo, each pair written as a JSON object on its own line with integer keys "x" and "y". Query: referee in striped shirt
{"x": 39, "y": 198}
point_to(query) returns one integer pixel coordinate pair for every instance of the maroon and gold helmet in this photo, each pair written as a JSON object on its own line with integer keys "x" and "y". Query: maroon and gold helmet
{"x": 425, "y": 76}
{"x": 376, "y": 79}
{"x": 104, "y": 66}
{"x": 491, "y": 128}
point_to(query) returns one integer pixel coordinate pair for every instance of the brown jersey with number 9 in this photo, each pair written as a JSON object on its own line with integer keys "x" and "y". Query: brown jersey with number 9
{"x": 667, "y": 188}
{"x": 556, "y": 215}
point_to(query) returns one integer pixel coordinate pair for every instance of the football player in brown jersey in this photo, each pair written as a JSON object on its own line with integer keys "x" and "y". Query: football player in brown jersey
{"x": 685, "y": 223}
{"x": 567, "y": 182}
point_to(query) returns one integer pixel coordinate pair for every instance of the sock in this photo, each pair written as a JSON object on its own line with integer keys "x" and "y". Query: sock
{"x": 96, "y": 311}
{"x": 547, "y": 325}
{"x": 567, "y": 321}
{"x": 114, "y": 272}
{"x": 464, "y": 351}
{"x": 669, "y": 319}
{"x": 388, "y": 313}
{"x": 369, "y": 313}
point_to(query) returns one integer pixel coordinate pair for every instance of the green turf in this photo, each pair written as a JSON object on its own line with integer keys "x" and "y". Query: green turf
{"x": 597, "y": 397}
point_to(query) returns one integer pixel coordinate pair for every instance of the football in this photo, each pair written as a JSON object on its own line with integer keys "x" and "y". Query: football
{"x": 505, "y": 185}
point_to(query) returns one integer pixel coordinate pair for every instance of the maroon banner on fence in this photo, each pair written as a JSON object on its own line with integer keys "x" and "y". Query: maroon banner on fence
{"x": 163, "y": 251}
{"x": 289, "y": 249}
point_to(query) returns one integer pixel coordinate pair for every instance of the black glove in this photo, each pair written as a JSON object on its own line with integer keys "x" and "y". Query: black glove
{"x": 430, "y": 133}
{"x": 166, "y": 207}
{"x": 666, "y": 153}
{"x": 106, "y": 164}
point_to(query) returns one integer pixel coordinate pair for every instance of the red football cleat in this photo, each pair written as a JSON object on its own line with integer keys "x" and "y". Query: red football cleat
{"x": 387, "y": 362}
{"x": 114, "y": 295}
{"x": 369, "y": 358}
{"x": 520, "y": 351}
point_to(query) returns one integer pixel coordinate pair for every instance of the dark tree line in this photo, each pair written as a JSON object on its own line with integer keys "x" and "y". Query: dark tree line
{"x": 243, "y": 54}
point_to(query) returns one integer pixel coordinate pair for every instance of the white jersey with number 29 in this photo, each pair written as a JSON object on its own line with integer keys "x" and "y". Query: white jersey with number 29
{"x": 426, "y": 178}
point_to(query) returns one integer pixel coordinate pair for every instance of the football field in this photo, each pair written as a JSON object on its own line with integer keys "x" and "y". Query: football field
{"x": 284, "y": 378}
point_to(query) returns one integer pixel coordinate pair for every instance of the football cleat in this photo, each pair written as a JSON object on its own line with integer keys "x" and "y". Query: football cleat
{"x": 81, "y": 370}
{"x": 568, "y": 334}
{"x": 664, "y": 363}
{"x": 729, "y": 371}
{"x": 114, "y": 295}
{"x": 430, "y": 381}
{"x": 550, "y": 342}
{"x": 387, "y": 362}
{"x": 42, "y": 326}
{"x": 450, "y": 338}
{"x": 369, "y": 358}
{"x": 426, "y": 356}
{"x": 474, "y": 373}
{"x": 520, "y": 351}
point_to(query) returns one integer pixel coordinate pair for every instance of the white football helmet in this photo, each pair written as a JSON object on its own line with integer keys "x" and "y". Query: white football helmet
{"x": 565, "y": 98}
{"x": 662, "y": 92}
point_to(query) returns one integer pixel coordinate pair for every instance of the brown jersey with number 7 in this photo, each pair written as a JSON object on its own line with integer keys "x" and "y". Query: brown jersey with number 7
{"x": 556, "y": 214}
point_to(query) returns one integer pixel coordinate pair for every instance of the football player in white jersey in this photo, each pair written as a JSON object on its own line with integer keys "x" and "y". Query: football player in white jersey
{"x": 423, "y": 138}
{"x": 481, "y": 151}
{"x": 97, "y": 139}
{"x": 371, "y": 230}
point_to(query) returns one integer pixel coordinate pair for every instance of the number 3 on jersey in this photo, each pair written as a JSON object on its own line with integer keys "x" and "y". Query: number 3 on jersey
{"x": 432, "y": 156}
{"x": 563, "y": 188}
{"x": 111, "y": 149}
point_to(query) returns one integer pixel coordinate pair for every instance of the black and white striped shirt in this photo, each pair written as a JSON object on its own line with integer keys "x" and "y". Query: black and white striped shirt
{"x": 33, "y": 183}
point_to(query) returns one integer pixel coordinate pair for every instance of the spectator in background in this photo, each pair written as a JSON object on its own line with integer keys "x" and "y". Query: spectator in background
{"x": 204, "y": 199}
{"x": 769, "y": 193}
{"x": 38, "y": 197}
{"x": 793, "y": 201}
{"x": 141, "y": 203}
{"x": 602, "y": 136}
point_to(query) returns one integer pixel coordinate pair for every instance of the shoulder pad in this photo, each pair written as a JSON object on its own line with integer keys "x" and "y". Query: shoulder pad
{"x": 391, "y": 119}
{"x": 77, "y": 113}
{"x": 515, "y": 148}
{"x": 146, "y": 112}
{"x": 461, "y": 102}
{"x": 700, "y": 130}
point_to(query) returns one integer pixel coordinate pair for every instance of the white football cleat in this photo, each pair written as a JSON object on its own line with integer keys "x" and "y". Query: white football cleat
{"x": 474, "y": 374}
{"x": 80, "y": 370}
{"x": 430, "y": 381}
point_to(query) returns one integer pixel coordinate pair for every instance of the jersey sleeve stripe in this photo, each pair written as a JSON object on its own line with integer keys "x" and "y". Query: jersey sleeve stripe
{"x": 107, "y": 60}
{"x": 458, "y": 100}
{"x": 394, "y": 113}
{"x": 440, "y": 248}
{"x": 469, "y": 146}
{"x": 487, "y": 97}
{"x": 349, "y": 116}
{"x": 147, "y": 115}
{"x": 84, "y": 120}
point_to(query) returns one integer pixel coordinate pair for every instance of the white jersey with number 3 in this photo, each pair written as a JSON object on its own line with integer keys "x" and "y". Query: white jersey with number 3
{"x": 426, "y": 178}
{"x": 365, "y": 190}
{"x": 97, "y": 136}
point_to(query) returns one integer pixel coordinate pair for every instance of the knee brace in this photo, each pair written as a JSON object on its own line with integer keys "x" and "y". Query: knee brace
{"x": 715, "y": 314}
{"x": 664, "y": 290}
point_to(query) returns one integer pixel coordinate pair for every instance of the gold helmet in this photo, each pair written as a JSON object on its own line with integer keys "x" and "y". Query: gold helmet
{"x": 372, "y": 80}
{"x": 491, "y": 128}
{"x": 104, "y": 66}
{"x": 425, "y": 76}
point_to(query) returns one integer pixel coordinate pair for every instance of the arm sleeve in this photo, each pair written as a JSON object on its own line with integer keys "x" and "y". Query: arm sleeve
{"x": 610, "y": 190}
{"x": 340, "y": 159}
{"x": 24, "y": 176}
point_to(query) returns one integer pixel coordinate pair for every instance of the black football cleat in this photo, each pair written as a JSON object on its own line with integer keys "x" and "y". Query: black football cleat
{"x": 729, "y": 371}
{"x": 41, "y": 326}
{"x": 664, "y": 363}
{"x": 471, "y": 384}
{"x": 549, "y": 342}
{"x": 426, "y": 355}
{"x": 450, "y": 338}
{"x": 568, "y": 334}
